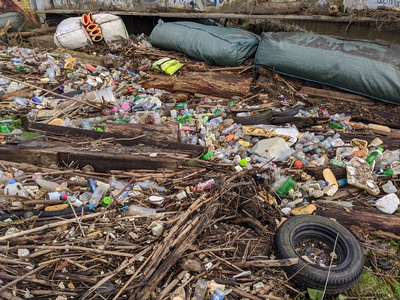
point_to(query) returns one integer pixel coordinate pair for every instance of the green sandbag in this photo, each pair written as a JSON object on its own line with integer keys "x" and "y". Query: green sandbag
{"x": 16, "y": 18}
{"x": 215, "y": 45}
{"x": 367, "y": 68}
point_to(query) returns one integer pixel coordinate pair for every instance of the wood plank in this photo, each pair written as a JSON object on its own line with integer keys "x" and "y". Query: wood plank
{"x": 225, "y": 85}
{"x": 100, "y": 161}
{"x": 347, "y": 97}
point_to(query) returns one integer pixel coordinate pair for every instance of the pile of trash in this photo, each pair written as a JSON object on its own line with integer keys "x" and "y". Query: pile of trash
{"x": 123, "y": 188}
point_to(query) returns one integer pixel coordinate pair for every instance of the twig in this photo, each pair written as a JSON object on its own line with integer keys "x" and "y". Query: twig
{"x": 330, "y": 267}
{"x": 12, "y": 283}
{"x": 52, "y": 225}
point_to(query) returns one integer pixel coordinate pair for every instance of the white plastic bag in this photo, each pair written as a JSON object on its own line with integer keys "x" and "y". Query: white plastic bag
{"x": 112, "y": 28}
{"x": 71, "y": 34}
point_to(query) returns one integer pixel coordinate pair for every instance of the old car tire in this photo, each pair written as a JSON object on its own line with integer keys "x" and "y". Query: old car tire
{"x": 308, "y": 229}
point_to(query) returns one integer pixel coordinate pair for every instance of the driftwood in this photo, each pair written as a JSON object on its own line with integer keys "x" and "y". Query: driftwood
{"x": 225, "y": 85}
{"x": 373, "y": 223}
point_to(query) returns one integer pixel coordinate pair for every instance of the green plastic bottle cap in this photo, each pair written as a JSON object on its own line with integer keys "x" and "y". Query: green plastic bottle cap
{"x": 380, "y": 149}
{"x": 243, "y": 162}
{"x": 106, "y": 201}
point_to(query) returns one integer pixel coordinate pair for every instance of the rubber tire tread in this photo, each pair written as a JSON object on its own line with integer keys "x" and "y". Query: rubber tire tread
{"x": 261, "y": 118}
{"x": 313, "y": 277}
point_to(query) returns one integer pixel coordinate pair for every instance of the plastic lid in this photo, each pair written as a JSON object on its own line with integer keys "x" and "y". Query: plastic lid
{"x": 156, "y": 110}
{"x": 11, "y": 181}
{"x": 107, "y": 200}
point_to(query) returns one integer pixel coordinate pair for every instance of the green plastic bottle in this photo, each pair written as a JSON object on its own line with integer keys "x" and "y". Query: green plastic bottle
{"x": 208, "y": 155}
{"x": 374, "y": 154}
{"x": 335, "y": 125}
{"x": 286, "y": 186}
{"x": 388, "y": 172}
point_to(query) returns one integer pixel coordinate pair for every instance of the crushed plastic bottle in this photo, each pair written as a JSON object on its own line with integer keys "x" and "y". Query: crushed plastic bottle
{"x": 47, "y": 185}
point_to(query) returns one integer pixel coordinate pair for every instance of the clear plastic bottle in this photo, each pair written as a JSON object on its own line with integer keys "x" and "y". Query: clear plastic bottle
{"x": 157, "y": 119}
{"x": 338, "y": 163}
{"x": 116, "y": 184}
{"x": 15, "y": 188}
{"x": 21, "y": 101}
{"x": 97, "y": 196}
{"x": 136, "y": 210}
{"x": 47, "y": 185}
{"x": 147, "y": 185}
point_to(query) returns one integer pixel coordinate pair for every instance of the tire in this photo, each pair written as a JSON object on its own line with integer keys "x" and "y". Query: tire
{"x": 258, "y": 118}
{"x": 299, "y": 231}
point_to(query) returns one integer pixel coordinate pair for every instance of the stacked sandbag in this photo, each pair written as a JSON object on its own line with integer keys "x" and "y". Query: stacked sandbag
{"x": 215, "y": 45}
{"x": 78, "y": 32}
{"x": 363, "y": 67}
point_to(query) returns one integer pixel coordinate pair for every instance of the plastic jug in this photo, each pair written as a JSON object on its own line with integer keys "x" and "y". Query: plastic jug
{"x": 15, "y": 188}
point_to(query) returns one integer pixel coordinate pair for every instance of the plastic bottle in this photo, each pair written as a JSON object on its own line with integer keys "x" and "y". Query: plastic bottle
{"x": 13, "y": 87}
{"x": 116, "y": 184}
{"x": 157, "y": 119}
{"x": 97, "y": 195}
{"x": 308, "y": 148}
{"x": 335, "y": 125}
{"x": 230, "y": 129}
{"x": 342, "y": 182}
{"x": 47, "y": 185}
{"x": 147, "y": 185}
{"x": 21, "y": 101}
{"x": 286, "y": 186}
{"x": 201, "y": 289}
{"x": 204, "y": 185}
{"x": 244, "y": 114}
{"x": 135, "y": 210}
{"x": 218, "y": 294}
{"x": 338, "y": 163}
{"x": 374, "y": 154}
{"x": 56, "y": 196}
{"x": 74, "y": 201}
{"x": 15, "y": 188}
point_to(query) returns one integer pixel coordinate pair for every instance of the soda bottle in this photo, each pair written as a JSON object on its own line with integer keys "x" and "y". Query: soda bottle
{"x": 335, "y": 125}
{"x": 286, "y": 186}
{"x": 374, "y": 154}
{"x": 204, "y": 185}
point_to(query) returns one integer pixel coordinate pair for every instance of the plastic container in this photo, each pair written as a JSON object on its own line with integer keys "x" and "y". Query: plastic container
{"x": 204, "y": 185}
{"x": 135, "y": 210}
{"x": 286, "y": 186}
{"x": 97, "y": 195}
{"x": 271, "y": 148}
{"x": 200, "y": 290}
{"x": 374, "y": 154}
{"x": 47, "y": 185}
{"x": 157, "y": 119}
{"x": 101, "y": 96}
{"x": 15, "y": 188}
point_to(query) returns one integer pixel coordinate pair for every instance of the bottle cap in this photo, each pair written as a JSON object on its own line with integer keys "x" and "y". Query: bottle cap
{"x": 107, "y": 200}
{"x": 11, "y": 181}
{"x": 91, "y": 207}
{"x": 64, "y": 196}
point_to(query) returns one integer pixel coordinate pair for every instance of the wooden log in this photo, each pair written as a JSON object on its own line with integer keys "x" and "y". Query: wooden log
{"x": 194, "y": 150}
{"x": 347, "y": 97}
{"x": 166, "y": 131}
{"x": 24, "y": 93}
{"x": 39, "y": 31}
{"x": 365, "y": 222}
{"x": 225, "y": 85}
